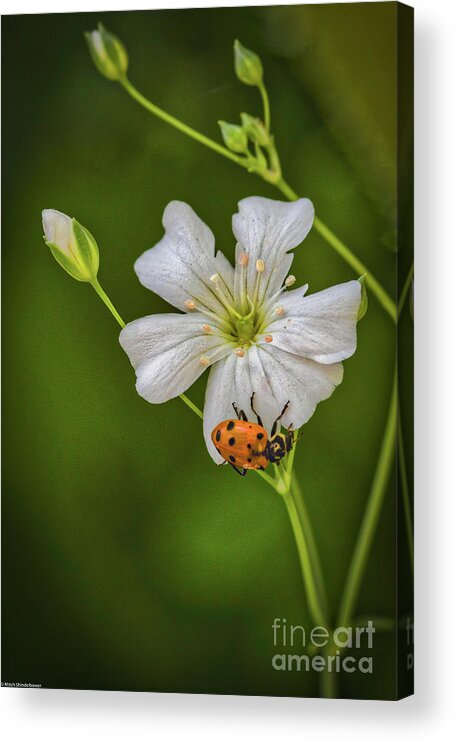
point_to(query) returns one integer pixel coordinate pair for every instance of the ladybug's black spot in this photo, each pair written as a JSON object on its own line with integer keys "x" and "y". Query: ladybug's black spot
{"x": 260, "y": 436}
{"x": 232, "y": 458}
{"x": 248, "y": 445}
{"x": 249, "y": 461}
{"x": 218, "y": 435}
{"x": 230, "y": 425}
{"x": 231, "y": 441}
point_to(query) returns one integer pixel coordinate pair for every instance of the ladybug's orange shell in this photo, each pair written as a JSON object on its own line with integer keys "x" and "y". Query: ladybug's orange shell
{"x": 241, "y": 443}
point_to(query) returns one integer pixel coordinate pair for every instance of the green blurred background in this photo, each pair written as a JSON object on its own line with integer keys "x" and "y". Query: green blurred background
{"x": 129, "y": 560}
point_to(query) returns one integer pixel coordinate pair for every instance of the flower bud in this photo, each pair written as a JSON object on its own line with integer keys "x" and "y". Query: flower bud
{"x": 363, "y": 306}
{"x": 248, "y": 66}
{"x": 234, "y": 136}
{"x": 255, "y": 129}
{"x": 108, "y": 53}
{"x": 71, "y": 244}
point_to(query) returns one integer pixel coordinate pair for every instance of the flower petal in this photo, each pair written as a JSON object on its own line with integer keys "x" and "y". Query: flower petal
{"x": 235, "y": 379}
{"x": 180, "y": 265}
{"x": 275, "y": 377}
{"x": 226, "y": 271}
{"x": 219, "y": 395}
{"x": 166, "y": 352}
{"x": 58, "y": 231}
{"x": 266, "y": 230}
{"x": 302, "y": 381}
{"x": 321, "y": 326}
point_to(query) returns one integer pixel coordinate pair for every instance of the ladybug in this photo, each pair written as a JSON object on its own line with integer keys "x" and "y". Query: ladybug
{"x": 246, "y": 445}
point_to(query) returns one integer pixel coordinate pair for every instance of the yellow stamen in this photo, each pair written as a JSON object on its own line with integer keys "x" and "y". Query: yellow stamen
{"x": 260, "y": 266}
{"x": 290, "y": 281}
{"x": 279, "y": 311}
{"x": 243, "y": 259}
{"x": 268, "y": 338}
{"x": 207, "y": 328}
{"x": 190, "y": 304}
{"x": 204, "y": 361}
{"x": 239, "y": 352}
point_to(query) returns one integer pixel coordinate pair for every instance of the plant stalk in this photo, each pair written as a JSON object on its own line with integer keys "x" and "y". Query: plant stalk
{"x": 371, "y": 516}
{"x": 104, "y": 297}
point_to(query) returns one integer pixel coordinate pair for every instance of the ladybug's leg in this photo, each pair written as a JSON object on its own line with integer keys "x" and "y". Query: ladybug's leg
{"x": 252, "y": 407}
{"x": 290, "y": 437}
{"x": 275, "y": 424}
{"x": 242, "y": 472}
{"x": 240, "y": 413}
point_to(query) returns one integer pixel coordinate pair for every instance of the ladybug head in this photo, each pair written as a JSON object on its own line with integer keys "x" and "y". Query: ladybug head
{"x": 278, "y": 446}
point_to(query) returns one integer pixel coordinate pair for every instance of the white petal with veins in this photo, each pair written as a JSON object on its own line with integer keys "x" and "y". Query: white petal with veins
{"x": 267, "y": 230}
{"x": 321, "y": 326}
{"x": 180, "y": 265}
{"x": 302, "y": 381}
{"x": 219, "y": 395}
{"x": 169, "y": 352}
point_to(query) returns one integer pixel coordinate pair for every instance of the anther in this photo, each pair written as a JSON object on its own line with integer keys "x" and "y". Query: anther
{"x": 206, "y": 328}
{"x": 204, "y": 361}
{"x": 190, "y": 304}
{"x": 239, "y": 352}
{"x": 243, "y": 259}
{"x": 268, "y": 338}
{"x": 215, "y": 278}
{"x": 290, "y": 281}
{"x": 260, "y": 266}
{"x": 279, "y": 311}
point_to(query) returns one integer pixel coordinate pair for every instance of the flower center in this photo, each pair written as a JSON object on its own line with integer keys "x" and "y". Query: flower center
{"x": 245, "y": 329}
{"x": 247, "y": 314}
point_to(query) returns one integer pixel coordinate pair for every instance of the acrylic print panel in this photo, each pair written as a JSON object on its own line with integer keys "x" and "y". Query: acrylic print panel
{"x": 134, "y": 555}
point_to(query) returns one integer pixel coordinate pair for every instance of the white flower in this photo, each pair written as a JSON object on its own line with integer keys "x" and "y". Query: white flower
{"x": 257, "y": 336}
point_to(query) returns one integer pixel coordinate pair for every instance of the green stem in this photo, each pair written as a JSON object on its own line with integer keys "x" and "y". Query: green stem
{"x": 373, "y": 284}
{"x": 405, "y": 290}
{"x": 104, "y": 297}
{"x": 177, "y": 124}
{"x": 191, "y": 405}
{"x": 271, "y": 482}
{"x": 306, "y": 566}
{"x": 286, "y": 485}
{"x": 370, "y": 519}
{"x": 305, "y": 523}
{"x": 329, "y": 681}
{"x": 266, "y": 105}
{"x": 311, "y": 570}
{"x": 401, "y": 453}
{"x": 405, "y": 491}
{"x": 360, "y": 268}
